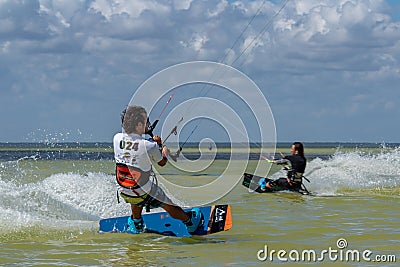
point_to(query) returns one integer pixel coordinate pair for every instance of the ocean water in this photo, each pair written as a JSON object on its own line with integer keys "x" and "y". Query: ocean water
{"x": 52, "y": 199}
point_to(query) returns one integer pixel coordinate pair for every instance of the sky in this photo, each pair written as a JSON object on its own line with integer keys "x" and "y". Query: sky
{"x": 329, "y": 69}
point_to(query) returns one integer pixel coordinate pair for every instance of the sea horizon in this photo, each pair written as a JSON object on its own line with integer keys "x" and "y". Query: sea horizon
{"x": 100, "y": 144}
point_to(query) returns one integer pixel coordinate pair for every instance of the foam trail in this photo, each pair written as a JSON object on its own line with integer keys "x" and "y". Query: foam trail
{"x": 61, "y": 200}
{"x": 71, "y": 200}
{"x": 354, "y": 171}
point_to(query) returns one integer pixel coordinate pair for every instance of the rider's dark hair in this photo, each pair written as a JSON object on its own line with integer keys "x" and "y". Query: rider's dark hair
{"x": 298, "y": 146}
{"x": 131, "y": 117}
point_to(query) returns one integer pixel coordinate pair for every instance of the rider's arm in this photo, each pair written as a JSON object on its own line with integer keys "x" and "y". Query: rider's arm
{"x": 281, "y": 161}
{"x": 165, "y": 152}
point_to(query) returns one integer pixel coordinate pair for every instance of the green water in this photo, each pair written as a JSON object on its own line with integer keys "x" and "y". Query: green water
{"x": 50, "y": 212}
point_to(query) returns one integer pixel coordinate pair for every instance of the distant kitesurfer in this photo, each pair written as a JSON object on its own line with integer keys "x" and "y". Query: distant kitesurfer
{"x": 295, "y": 165}
{"x": 134, "y": 157}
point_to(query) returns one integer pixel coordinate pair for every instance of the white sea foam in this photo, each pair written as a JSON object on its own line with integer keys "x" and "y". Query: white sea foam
{"x": 354, "y": 170}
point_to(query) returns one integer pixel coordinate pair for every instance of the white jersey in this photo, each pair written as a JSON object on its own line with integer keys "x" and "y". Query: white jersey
{"x": 135, "y": 151}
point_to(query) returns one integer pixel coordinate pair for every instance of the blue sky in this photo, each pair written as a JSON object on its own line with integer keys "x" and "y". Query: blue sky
{"x": 330, "y": 70}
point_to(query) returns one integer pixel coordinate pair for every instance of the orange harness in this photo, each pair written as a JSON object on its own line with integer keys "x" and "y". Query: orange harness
{"x": 129, "y": 177}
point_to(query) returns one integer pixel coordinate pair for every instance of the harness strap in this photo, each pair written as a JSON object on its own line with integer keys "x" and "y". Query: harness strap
{"x": 306, "y": 179}
{"x": 154, "y": 185}
{"x": 294, "y": 176}
{"x": 130, "y": 177}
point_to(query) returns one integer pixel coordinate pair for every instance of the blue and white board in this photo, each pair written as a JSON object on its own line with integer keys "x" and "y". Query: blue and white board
{"x": 217, "y": 218}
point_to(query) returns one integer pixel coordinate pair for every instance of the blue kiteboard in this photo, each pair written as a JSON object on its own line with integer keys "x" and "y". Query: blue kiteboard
{"x": 217, "y": 218}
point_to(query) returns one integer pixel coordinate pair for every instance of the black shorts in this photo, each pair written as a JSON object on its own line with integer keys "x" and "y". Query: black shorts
{"x": 284, "y": 183}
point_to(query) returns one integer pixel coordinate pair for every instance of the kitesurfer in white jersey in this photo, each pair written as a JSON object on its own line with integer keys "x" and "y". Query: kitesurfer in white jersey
{"x": 134, "y": 157}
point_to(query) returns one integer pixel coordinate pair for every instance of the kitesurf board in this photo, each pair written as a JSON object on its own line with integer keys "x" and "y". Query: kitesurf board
{"x": 217, "y": 218}
{"x": 252, "y": 182}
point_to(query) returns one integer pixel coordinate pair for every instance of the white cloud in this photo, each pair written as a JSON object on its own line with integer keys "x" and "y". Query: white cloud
{"x": 132, "y": 8}
{"x": 218, "y": 9}
{"x": 182, "y": 4}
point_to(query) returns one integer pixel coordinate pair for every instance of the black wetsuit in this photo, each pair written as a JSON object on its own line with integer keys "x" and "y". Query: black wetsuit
{"x": 294, "y": 174}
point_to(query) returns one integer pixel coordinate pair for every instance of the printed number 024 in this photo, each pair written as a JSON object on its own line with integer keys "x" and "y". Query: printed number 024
{"x": 128, "y": 145}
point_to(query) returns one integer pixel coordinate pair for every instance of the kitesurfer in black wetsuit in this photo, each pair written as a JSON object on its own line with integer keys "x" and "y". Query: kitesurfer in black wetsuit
{"x": 295, "y": 165}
